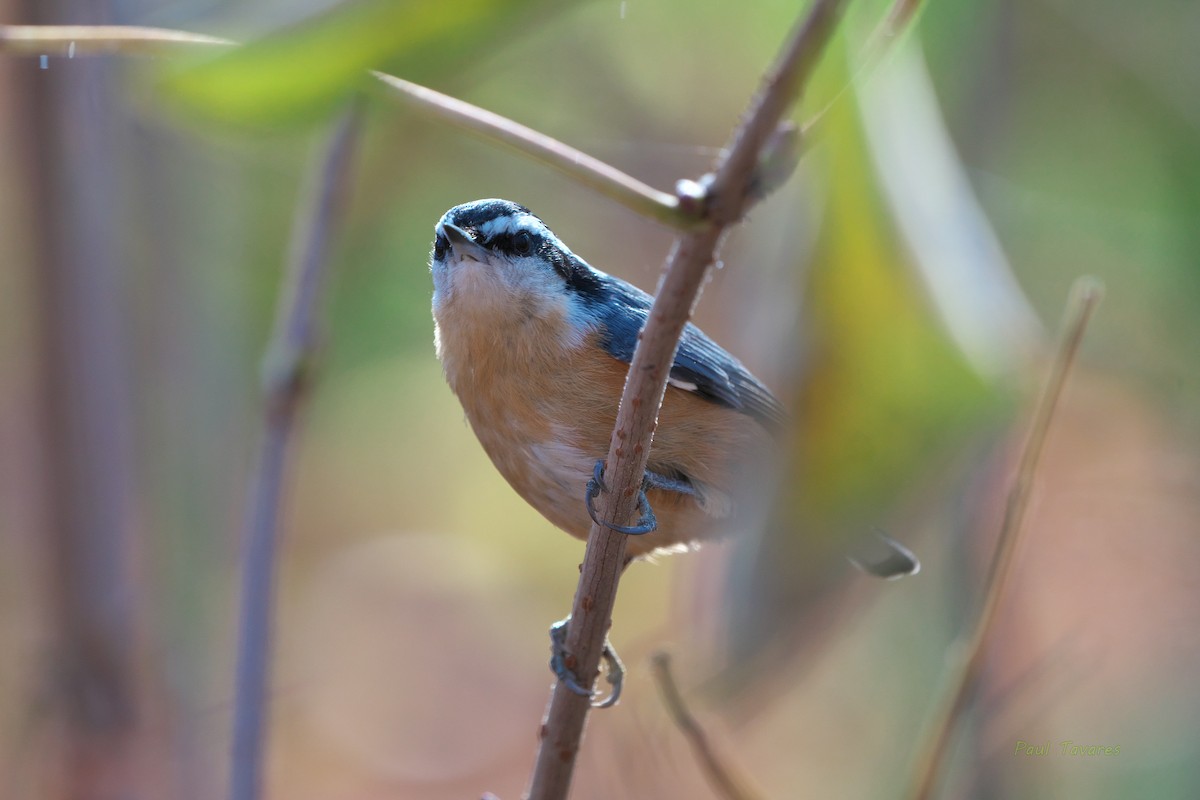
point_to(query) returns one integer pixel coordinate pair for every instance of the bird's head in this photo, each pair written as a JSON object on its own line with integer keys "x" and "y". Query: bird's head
{"x": 497, "y": 262}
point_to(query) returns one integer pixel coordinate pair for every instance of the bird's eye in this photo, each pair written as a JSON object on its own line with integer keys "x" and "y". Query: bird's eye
{"x": 440, "y": 245}
{"x": 522, "y": 243}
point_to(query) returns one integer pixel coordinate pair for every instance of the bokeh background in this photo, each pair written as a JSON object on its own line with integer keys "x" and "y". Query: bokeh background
{"x": 900, "y": 293}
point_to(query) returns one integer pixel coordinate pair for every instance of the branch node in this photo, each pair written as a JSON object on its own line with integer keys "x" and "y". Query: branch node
{"x": 693, "y": 195}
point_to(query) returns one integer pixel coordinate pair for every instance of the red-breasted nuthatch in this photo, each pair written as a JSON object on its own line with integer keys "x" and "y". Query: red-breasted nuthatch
{"x": 536, "y": 344}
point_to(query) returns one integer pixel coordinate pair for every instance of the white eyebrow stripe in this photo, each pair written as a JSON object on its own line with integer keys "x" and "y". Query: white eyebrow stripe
{"x": 511, "y": 223}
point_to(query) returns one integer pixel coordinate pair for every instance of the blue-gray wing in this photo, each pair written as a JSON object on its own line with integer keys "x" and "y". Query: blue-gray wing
{"x": 701, "y": 365}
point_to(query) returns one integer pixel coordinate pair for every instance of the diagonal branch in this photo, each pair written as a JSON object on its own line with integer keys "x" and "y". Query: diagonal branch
{"x": 1085, "y": 296}
{"x": 724, "y": 203}
{"x": 587, "y": 170}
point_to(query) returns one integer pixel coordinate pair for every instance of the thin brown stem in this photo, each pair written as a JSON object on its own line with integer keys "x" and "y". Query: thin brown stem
{"x": 1085, "y": 296}
{"x": 286, "y": 373}
{"x": 575, "y": 164}
{"x": 728, "y": 196}
{"x": 720, "y": 775}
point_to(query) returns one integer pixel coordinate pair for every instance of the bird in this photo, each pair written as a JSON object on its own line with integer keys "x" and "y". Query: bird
{"x": 536, "y": 344}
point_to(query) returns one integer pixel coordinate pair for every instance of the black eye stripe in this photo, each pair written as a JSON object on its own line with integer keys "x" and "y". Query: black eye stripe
{"x": 576, "y": 277}
{"x": 520, "y": 243}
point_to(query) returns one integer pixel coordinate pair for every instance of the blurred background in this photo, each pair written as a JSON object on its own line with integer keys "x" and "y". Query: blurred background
{"x": 901, "y": 293}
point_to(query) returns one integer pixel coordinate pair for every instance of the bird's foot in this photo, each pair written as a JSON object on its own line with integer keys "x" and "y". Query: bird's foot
{"x": 595, "y": 486}
{"x": 614, "y": 671}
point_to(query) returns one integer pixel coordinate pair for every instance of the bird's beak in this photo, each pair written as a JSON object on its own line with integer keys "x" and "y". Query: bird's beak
{"x": 462, "y": 243}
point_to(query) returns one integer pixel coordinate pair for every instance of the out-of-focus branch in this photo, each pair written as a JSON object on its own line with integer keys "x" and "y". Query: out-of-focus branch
{"x": 720, "y": 775}
{"x": 88, "y": 40}
{"x": 1085, "y": 296}
{"x": 87, "y": 480}
{"x": 722, "y": 203}
{"x": 286, "y": 376}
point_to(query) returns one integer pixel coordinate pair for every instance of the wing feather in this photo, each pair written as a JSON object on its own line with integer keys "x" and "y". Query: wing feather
{"x": 701, "y": 366}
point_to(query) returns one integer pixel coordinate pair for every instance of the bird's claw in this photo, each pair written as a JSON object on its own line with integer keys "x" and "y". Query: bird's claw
{"x": 614, "y": 669}
{"x": 647, "y": 523}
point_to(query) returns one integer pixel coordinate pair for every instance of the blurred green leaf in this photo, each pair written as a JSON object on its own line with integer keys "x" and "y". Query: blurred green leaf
{"x": 888, "y": 396}
{"x": 301, "y": 70}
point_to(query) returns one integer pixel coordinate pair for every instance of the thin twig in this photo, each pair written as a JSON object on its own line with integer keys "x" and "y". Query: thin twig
{"x": 720, "y": 775}
{"x": 1086, "y": 294}
{"x": 724, "y": 204}
{"x": 285, "y": 378}
{"x": 575, "y": 164}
